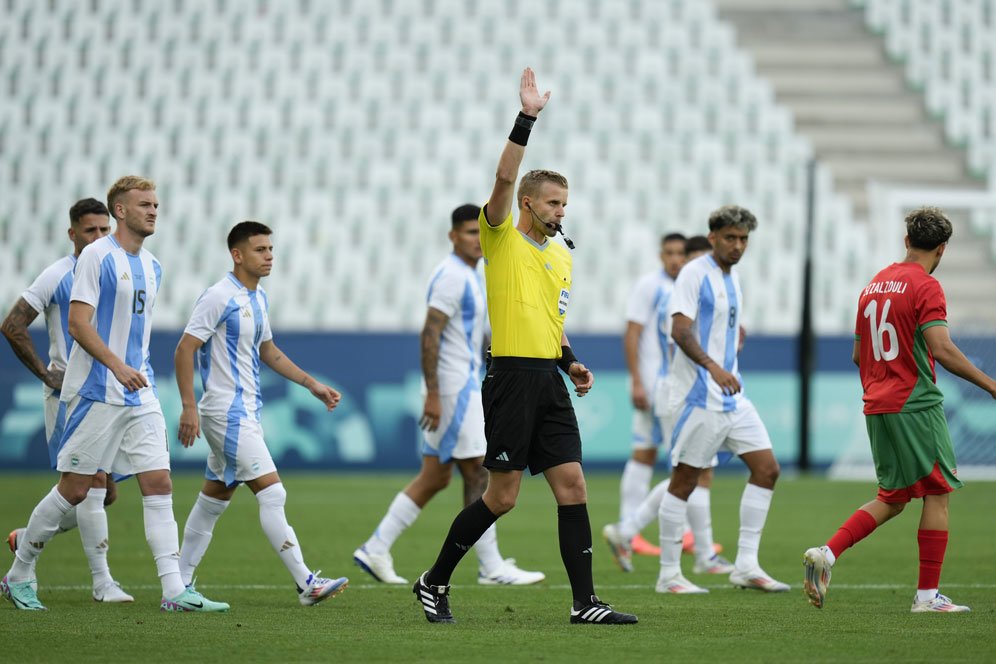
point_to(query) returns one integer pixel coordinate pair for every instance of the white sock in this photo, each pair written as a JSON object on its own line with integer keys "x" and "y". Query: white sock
{"x": 700, "y": 520}
{"x": 282, "y": 537}
{"x": 161, "y": 534}
{"x": 42, "y": 526}
{"x": 197, "y": 534}
{"x": 634, "y": 487}
{"x": 400, "y": 515}
{"x": 671, "y": 521}
{"x": 646, "y": 512}
{"x": 68, "y": 521}
{"x": 487, "y": 551}
{"x": 754, "y": 505}
{"x": 926, "y": 595}
{"x": 93, "y": 533}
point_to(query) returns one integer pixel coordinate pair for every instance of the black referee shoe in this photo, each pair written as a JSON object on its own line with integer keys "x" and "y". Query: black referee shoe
{"x": 597, "y": 612}
{"x": 435, "y": 601}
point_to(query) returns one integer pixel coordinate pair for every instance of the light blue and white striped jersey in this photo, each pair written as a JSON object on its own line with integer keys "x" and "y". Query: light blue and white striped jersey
{"x": 456, "y": 289}
{"x": 232, "y": 321}
{"x": 644, "y": 308}
{"x": 713, "y": 300}
{"x": 49, "y": 295}
{"x": 122, "y": 289}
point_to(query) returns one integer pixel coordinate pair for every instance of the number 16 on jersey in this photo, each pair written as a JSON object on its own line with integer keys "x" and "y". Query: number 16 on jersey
{"x": 880, "y": 330}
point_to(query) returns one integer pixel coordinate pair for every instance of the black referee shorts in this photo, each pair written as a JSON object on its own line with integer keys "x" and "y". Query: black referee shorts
{"x": 528, "y": 416}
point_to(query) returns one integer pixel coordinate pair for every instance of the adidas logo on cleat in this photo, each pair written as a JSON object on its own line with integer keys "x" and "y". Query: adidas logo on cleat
{"x": 434, "y": 600}
{"x": 600, "y": 613}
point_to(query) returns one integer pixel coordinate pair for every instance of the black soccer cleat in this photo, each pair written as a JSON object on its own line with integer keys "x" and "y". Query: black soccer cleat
{"x": 435, "y": 601}
{"x": 597, "y": 612}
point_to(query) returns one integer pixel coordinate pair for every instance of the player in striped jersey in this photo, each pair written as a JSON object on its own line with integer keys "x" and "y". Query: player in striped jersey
{"x": 698, "y": 540}
{"x": 708, "y": 405}
{"x": 453, "y": 415}
{"x": 642, "y": 350}
{"x": 901, "y": 329}
{"x": 49, "y": 295}
{"x": 113, "y": 418}
{"x": 229, "y": 331}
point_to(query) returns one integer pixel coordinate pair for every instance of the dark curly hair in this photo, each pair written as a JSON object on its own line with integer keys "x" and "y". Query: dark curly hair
{"x": 928, "y": 228}
{"x": 732, "y": 215}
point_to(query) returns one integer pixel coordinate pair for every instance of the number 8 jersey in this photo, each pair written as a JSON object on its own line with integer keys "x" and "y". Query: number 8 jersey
{"x": 122, "y": 289}
{"x": 897, "y": 369}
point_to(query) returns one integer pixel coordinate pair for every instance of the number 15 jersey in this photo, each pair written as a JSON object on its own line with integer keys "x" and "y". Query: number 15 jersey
{"x": 897, "y": 369}
{"x": 122, "y": 289}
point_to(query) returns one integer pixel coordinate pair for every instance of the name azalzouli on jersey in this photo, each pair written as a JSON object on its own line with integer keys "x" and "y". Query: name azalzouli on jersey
{"x": 876, "y": 287}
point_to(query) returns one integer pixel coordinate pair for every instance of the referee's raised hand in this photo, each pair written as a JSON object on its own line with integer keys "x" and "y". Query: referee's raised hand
{"x": 582, "y": 377}
{"x": 532, "y": 101}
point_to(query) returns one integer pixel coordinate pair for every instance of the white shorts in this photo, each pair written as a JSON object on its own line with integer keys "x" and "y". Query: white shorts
{"x": 647, "y": 433}
{"x": 699, "y": 434}
{"x": 55, "y": 425}
{"x": 238, "y": 451}
{"x": 460, "y": 434}
{"x": 120, "y": 439}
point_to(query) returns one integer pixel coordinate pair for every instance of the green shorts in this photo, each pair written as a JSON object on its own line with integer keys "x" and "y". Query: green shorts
{"x": 913, "y": 454}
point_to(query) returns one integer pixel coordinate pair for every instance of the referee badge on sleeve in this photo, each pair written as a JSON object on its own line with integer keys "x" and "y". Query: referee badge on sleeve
{"x": 565, "y": 296}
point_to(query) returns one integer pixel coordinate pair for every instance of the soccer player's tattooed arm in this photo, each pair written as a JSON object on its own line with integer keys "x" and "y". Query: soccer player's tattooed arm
{"x": 15, "y": 329}
{"x": 631, "y": 350}
{"x": 945, "y": 351}
{"x": 500, "y": 202}
{"x": 183, "y": 362}
{"x": 274, "y": 358}
{"x": 86, "y": 335}
{"x": 432, "y": 332}
{"x": 684, "y": 336}
{"x": 580, "y": 375}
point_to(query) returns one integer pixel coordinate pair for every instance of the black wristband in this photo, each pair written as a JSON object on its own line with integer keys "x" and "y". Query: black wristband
{"x": 567, "y": 358}
{"x": 520, "y": 130}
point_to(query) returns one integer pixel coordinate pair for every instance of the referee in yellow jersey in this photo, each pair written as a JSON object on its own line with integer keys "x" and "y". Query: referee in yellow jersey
{"x": 528, "y": 416}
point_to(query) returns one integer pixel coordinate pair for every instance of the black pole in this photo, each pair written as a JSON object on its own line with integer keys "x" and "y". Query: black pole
{"x": 807, "y": 344}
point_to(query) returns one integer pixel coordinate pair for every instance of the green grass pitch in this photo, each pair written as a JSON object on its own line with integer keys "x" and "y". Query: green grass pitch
{"x": 866, "y": 619}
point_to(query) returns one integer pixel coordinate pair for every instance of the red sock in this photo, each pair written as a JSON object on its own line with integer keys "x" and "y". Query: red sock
{"x": 932, "y": 545}
{"x": 855, "y": 529}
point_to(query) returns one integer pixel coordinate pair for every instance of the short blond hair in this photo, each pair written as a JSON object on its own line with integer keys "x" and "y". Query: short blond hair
{"x": 531, "y": 182}
{"x": 124, "y": 185}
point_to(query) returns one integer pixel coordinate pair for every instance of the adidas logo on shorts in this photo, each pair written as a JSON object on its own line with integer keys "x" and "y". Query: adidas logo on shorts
{"x": 502, "y": 457}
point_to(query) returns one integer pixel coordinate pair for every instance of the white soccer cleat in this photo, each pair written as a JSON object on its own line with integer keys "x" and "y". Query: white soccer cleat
{"x": 715, "y": 565}
{"x": 817, "y": 575}
{"x": 940, "y": 604}
{"x": 619, "y": 546}
{"x": 679, "y": 585}
{"x": 319, "y": 589}
{"x": 111, "y": 593}
{"x": 378, "y": 565}
{"x": 758, "y": 579}
{"x": 508, "y": 574}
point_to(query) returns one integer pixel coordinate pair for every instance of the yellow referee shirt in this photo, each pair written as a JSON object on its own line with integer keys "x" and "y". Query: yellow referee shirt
{"x": 529, "y": 286}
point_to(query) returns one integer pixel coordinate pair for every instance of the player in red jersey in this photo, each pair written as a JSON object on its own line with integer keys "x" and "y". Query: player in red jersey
{"x": 901, "y": 329}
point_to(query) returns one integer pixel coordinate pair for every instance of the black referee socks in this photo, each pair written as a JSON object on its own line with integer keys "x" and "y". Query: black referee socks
{"x": 467, "y": 528}
{"x": 575, "y": 549}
